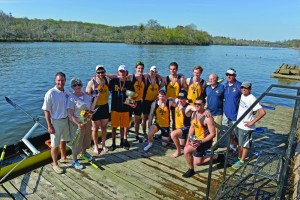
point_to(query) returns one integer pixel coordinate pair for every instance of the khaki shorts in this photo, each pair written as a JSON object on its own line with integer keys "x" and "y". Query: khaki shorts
{"x": 218, "y": 125}
{"x": 62, "y": 132}
{"x": 119, "y": 119}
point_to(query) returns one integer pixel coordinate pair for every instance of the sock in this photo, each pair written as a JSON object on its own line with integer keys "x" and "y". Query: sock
{"x": 242, "y": 161}
{"x": 239, "y": 158}
{"x": 114, "y": 141}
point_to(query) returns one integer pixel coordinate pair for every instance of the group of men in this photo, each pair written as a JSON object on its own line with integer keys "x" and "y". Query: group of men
{"x": 180, "y": 105}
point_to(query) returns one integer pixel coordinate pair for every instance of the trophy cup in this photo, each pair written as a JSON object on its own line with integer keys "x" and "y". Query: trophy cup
{"x": 131, "y": 96}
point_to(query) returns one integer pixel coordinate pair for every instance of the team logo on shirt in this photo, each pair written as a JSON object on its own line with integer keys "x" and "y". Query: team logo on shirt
{"x": 217, "y": 91}
{"x": 233, "y": 89}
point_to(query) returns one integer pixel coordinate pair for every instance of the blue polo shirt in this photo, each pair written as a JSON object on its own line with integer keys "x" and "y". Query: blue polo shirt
{"x": 215, "y": 98}
{"x": 232, "y": 97}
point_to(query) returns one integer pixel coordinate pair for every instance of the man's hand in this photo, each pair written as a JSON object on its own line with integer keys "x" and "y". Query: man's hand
{"x": 51, "y": 129}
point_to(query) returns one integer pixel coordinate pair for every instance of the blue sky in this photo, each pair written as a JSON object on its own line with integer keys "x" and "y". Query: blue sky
{"x": 271, "y": 20}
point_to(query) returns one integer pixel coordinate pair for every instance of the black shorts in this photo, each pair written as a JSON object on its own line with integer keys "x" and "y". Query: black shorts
{"x": 137, "y": 110}
{"x": 146, "y": 107}
{"x": 101, "y": 113}
{"x": 165, "y": 131}
{"x": 185, "y": 132}
{"x": 200, "y": 152}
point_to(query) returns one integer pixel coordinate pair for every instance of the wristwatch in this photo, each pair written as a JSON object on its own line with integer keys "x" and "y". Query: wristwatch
{"x": 200, "y": 142}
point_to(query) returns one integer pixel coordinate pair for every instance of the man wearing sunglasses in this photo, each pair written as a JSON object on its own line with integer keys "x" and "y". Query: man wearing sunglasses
{"x": 200, "y": 138}
{"x": 232, "y": 97}
{"x": 98, "y": 86}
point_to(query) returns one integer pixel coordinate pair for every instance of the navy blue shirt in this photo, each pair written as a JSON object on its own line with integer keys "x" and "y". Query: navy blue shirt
{"x": 232, "y": 97}
{"x": 215, "y": 98}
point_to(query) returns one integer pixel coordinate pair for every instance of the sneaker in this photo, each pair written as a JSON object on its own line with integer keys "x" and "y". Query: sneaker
{"x": 57, "y": 169}
{"x": 77, "y": 165}
{"x": 88, "y": 156}
{"x": 138, "y": 139}
{"x": 149, "y": 145}
{"x": 121, "y": 144}
{"x": 145, "y": 139}
{"x": 237, "y": 165}
{"x": 113, "y": 147}
{"x": 189, "y": 173}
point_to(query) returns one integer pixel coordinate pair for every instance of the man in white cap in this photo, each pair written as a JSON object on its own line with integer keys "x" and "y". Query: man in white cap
{"x": 153, "y": 81}
{"x": 98, "y": 86}
{"x": 247, "y": 125}
{"x": 232, "y": 97}
{"x": 119, "y": 110}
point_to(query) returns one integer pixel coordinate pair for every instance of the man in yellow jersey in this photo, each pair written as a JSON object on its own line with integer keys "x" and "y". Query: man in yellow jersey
{"x": 196, "y": 84}
{"x": 161, "y": 110}
{"x": 201, "y": 134}
{"x": 98, "y": 86}
{"x": 139, "y": 83}
{"x": 153, "y": 81}
{"x": 182, "y": 122}
{"x": 173, "y": 83}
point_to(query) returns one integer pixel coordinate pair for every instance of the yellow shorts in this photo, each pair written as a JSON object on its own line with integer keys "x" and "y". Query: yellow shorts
{"x": 119, "y": 119}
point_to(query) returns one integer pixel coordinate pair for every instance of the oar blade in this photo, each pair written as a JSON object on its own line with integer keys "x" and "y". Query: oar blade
{"x": 10, "y": 102}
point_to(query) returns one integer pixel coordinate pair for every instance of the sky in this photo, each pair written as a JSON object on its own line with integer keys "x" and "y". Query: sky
{"x": 270, "y": 20}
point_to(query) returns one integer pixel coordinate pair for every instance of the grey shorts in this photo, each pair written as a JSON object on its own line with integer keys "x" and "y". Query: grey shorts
{"x": 244, "y": 138}
{"x": 62, "y": 132}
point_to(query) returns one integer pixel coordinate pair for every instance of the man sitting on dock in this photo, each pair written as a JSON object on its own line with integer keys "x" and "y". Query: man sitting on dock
{"x": 200, "y": 138}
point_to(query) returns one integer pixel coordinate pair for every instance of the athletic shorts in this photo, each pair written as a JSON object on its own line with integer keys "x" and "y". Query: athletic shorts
{"x": 101, "y": 113}
{"x": 185, "y": 132}
{"x": 137, "y": 110}
{"x": 244, "y": 138}
{"x": 146, "y": 107}
{"x": 119, "y": 119}
{"x": 200, "y": 152}
{"x": 62, "y": 131}
{"x": 165, "y": 131}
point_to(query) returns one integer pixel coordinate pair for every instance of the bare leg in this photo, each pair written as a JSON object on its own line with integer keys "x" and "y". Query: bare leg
{"x": 144, "y": 122}
{"x": 96, "y": 125}
{"x": 188, "y": 153}
{"x": 174, "y": 135}
{"x": 244, "y": 153}
{"x": 54, "y": 154}
{"x": 63, "y": 153}
{"x": 104, "y": 133}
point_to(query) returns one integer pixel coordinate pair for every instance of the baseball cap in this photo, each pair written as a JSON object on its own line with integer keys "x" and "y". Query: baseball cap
{"x": 231, "y": 71}
{"x": 153, "y": 68}
{"x": 99, "y": 67}
{"x": 75, "y": 81}
{"x": 122, "y": 67}
{"x": 182, "y": 94}
{"x": 246, "y": 84}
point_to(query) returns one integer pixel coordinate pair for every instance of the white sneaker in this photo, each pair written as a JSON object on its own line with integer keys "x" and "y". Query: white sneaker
{"x": 149, "y": 145}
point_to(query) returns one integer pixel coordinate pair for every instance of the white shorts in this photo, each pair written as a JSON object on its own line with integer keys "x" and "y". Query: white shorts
{"x": 62, "y": 132}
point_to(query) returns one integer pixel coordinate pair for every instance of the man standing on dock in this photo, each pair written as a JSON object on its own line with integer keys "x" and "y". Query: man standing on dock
{"x": 232, "y": 97}
{"x": 55, "y": 110}
{"x": 247, "y": 125}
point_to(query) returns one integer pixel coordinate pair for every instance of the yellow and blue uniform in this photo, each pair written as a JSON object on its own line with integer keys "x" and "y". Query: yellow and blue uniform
{"x": 102, "y": 101}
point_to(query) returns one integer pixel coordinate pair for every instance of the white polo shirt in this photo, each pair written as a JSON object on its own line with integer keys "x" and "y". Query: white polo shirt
{"x": 55, "y": 102}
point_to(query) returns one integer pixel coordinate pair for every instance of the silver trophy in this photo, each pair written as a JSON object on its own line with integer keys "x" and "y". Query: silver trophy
{"x": 131, "y": 96}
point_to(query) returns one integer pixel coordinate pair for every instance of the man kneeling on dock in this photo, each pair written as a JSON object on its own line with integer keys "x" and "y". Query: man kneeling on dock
{"x": 200, "y": 138}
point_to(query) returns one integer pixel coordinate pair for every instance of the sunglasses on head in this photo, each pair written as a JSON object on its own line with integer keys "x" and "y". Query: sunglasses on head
{"x": 77, "y": 85}
{"x": 139, "y": 63}
{"x": 199, "y": 104}
{"x": 101, "y": 72}
{"x": 229, "y": 74}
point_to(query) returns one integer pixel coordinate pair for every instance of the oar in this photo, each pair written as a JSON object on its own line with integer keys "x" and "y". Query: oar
{"x": 17, "y": 106}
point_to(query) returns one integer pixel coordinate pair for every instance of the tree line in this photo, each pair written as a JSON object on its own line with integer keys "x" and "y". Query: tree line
{"x": 49, "y": 30}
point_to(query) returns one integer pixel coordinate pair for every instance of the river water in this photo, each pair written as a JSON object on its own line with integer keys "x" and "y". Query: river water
{"x": 28, "y": 69}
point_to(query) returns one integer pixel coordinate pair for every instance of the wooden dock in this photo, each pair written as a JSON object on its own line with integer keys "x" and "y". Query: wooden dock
{"x": 135, "y": 174}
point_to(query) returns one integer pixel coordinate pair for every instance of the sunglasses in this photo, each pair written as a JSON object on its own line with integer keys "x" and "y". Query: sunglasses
{"x": 102, "y": 72}
{"x": 122, "y": 71}
{"x": 199, "y": 104}
{"x": 229, "y": 74}
{"x": 244, "y": 87}
{"x": 77, "y": 85}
